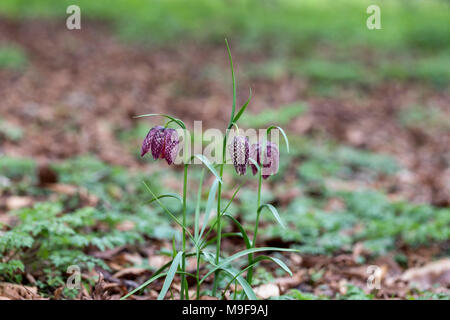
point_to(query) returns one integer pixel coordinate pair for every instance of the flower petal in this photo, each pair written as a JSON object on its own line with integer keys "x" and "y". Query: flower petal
{"x": 269, "y": 166}
{"x": 157, "y": 142}
{"x": 240, "y": 151}
{"x": 171, "y": 144}
{"x": 146, "y": 144}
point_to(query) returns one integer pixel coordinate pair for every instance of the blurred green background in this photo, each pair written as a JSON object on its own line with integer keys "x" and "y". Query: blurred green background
{"x": 336, "y": 189}
{"x": 323, "y": 40}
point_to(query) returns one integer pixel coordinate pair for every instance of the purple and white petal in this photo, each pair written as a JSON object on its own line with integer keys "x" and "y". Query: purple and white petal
{"x": 171, "y": 145}
{"x": 240, "y": 151}
{"x": 147, "y": 143}
{"x": 157, "y": 142}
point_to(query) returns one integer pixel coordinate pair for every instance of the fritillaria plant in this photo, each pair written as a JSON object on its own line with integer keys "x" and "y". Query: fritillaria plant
{"x": 262, "y": 157}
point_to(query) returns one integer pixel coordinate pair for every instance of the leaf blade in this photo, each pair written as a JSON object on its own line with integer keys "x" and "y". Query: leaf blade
{"x": 208, "y": 164}
{"x": 243, "y": 253}
{"x": 274, "y": 212}
{"x": 241, "y": 229}
{"x": 170, "y": 275}
{"x": 209, "y": 205}
{"x": 177, "y": 121}
{"x": 167, "y": 195}
{"x": 244, "y": 106}
{"x": 286, "y": 140}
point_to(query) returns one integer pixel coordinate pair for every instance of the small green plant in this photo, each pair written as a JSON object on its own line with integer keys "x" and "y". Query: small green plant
{"x": 10, "y": 131}
{"x": 13, "y": 58}
{"x": 46, "y": 241}
{"x": 263, "y": 158}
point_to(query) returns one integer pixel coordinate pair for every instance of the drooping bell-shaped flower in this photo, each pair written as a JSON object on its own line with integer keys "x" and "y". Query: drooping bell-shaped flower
{"x": 240, "y": 151}
{"x": 147, "y": 143}
{"x": 267, "y": 157}
{"x": 162, "y": 142}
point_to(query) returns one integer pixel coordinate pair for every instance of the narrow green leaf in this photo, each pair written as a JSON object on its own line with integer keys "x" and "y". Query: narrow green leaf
{"x": 277, "y": 261}
{"x": 197, "y": 207}
{"x": 241, "y": 111}
{"x": 254, "y": 263}
{"x": 234, "y": 195}
{"x": 142, "y": 286}
{"x": 209, "y": 205}
{"x": 282, "y": 132}
{"x": 274, "y": 212}
{"x": 242, "y": 253}
{"x": 177, "y": 121}
{"x": 174, "y": 247}
{"x": 167, "y": 195}
{"x": 224, "y": 235}
{"x": 233, "y": 79}
{"x": 170, "y": 275}
{"x": 241, "y": 229}
{"x": 223, "y": 211}
{"x": 170, "y": 214}
{"x": 209, "y": 165}
{"x": 245, "y": 285}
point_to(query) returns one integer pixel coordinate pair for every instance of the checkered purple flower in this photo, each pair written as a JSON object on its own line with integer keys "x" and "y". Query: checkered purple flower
{"x": 239, "y": 150}
{"x": 162, "y": 143}
{"x": 268, "y": 159}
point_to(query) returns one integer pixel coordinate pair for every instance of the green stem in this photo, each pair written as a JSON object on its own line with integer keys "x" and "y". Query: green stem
{"x": 219, "y": 229}
{"x": 255, "y": 233}
{"x": 183, "y": 261}
{"x": 198, "y": 274}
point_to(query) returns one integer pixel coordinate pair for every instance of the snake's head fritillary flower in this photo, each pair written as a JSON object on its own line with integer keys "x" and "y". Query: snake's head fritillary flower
{"x": 267, "y": 159}
{"x": 162, "y": 142}
{"x": 240, "y": 151}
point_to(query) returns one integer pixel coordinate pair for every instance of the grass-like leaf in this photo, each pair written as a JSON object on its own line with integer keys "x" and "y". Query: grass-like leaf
{"x": 282, "y": 132}
{"x": 209, "y": 205}
{"x": 241, "y": 254}
{"x": 233, "y": 110}
{"x": 245, "y": 285}
{"x": 170, "y": 275}
{"x": 167, "y": 195}
{"x": 209, "y": 165}
{"x": 158, "y": 274}
{"x": 241, "y": 111}
{"x": 197, "y": 207}
{"x": 241, "y": 229}
{"x": 170, "y": 214}
{"x": 177, "y": 121}
{"x": 277, "y": 261}
{"x": 274, "y": 212}
{"x": 142, "y": 286}
{"x": 254, "y": 263}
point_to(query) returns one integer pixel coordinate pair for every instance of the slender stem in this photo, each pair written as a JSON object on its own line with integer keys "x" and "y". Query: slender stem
{"x": 219, "y": 229}
{"x": 255, "y": 233}
{"x": 183, "y": 261}
{"x": 198, "y": 274}
{"x": 202, "y": 244}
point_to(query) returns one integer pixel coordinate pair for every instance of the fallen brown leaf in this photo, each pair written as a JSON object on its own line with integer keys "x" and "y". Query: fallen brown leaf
{"x": 130, "y": 271}
{"x": 425, "y": 277}
{"x": 18, "y": 292}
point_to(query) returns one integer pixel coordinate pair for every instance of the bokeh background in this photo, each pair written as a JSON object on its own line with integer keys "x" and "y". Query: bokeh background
{"x": 367, "y": 112}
